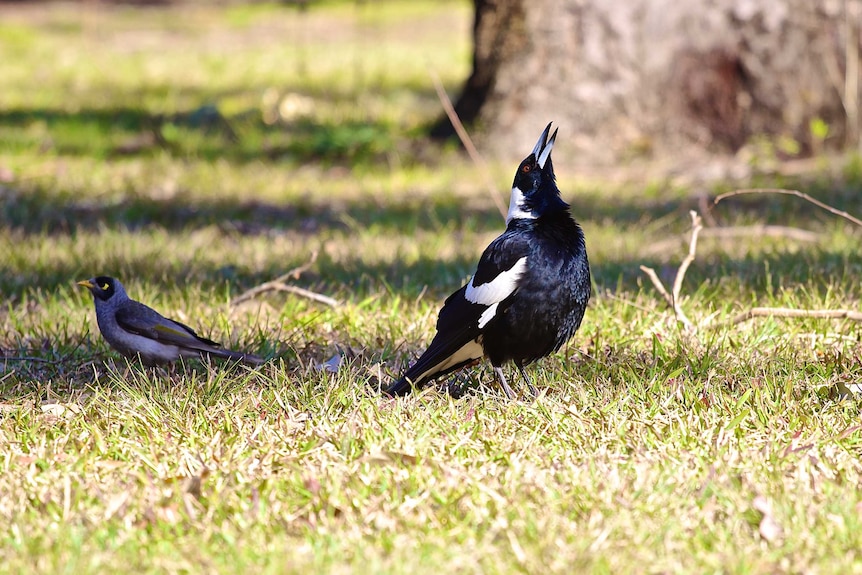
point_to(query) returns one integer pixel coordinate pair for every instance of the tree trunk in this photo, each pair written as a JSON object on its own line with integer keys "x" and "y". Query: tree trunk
{"x": 642, "y": 78}
{"x": 498, "y": 34}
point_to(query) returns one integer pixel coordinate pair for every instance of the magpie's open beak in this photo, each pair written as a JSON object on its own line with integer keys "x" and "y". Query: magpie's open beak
{"x": 544, "y": 146}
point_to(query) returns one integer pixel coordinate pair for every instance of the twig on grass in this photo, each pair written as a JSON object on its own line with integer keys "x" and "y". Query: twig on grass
{"x": 467, "y": 142}
{"x": 278, "y": 284}
{"x": 731, "y": 232}
{"x": 850, "y": 314}
{"x": 6, "y": 358}
{"x": 301, "y": 292}
{"x": 696, "y": 226}
{"x": 659, "y": 286}
{"x": 796, "y": 193}
{"x": 62, "y": 359}
{"x": 673, "y": 297}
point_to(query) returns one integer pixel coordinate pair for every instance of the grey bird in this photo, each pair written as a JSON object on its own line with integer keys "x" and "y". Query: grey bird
{"x": 138, "y": 331}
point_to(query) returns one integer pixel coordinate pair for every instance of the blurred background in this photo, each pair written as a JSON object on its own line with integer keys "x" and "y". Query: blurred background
{"x": 347, "y": 81}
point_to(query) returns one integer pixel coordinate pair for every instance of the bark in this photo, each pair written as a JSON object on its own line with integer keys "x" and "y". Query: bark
{"x": 645, "y": 77}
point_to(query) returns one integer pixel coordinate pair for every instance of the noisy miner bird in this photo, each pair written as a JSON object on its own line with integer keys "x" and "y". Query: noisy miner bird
{"x": 136, "y": 330}
{"x": 530, "y": 290}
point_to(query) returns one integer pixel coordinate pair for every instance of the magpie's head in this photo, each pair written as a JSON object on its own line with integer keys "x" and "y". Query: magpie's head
{"x": 534, "y": 191}
{"x": 103, "y": 287}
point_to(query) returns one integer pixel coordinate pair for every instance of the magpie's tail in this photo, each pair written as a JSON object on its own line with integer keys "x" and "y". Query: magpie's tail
{"x": 400, "y": 388}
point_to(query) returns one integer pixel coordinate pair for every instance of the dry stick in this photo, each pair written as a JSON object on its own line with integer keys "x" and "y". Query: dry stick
{"x": 790, "y": 233}
{"x": 730, "y": 232}
{"x": 278, "y": 285}
{"x": 5, "y": 358}
{"x": 659, "y": 286}
{"x": 302, "y": 292}
{"x": 796, "y": 193}
{"x": 467, "y": 142}
{"x": 696, "y": 226}
{"x": 672, "y": 298}
{"x": 59, "y": 360}
{"x": 791, "y": 312}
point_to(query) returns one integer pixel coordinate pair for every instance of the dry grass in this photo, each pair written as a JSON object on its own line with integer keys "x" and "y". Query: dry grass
{"x": 649, "y": 451}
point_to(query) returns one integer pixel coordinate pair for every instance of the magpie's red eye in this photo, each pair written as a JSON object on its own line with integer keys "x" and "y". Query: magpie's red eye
{"x": 526, "y": 169}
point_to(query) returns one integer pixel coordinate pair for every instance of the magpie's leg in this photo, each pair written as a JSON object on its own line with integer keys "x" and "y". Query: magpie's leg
{"x": 527, "y": 379}
{"x": 499, "y": 371}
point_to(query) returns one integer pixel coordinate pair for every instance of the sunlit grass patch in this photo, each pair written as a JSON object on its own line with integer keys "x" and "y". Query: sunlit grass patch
{"x": 200, "y": 151}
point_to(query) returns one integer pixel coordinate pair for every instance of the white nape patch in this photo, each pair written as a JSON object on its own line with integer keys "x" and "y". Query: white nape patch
{"x": 488, "y": 315}
{"x": 516, "y": 207}
{"x": 468, "y": 352}
{"x": 497, "y": 289}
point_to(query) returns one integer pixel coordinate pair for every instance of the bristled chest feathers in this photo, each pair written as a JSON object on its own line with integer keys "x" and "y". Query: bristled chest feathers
{"x": 552, "y": 293}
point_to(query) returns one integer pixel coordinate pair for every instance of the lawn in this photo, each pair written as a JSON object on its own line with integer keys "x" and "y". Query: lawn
{"x": 197, "y": 152}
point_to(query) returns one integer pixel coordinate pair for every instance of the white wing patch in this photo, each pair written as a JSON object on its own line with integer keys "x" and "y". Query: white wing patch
{"x": 516, "y": 207}
{"x": 488, "y": 315}
{"x": 498, "y": 289}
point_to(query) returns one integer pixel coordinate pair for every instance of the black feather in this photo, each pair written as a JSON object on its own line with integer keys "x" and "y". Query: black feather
{"x": 530, "y": 318}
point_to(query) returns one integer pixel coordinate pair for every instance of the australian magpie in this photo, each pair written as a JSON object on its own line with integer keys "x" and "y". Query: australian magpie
{"x": 528, "y": 295}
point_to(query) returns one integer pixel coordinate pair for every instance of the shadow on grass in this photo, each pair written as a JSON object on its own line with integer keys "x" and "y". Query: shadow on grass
{"x": 814, "y": 269}
{"x": 202, "y": 133}
{"x": 354, "y": 278}
{"x": 37, "y": 210}
{"x": 205, "y": 133}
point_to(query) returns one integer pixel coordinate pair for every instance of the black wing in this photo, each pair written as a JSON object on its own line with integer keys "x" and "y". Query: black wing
{"x": 501, "y": 255}
{"x": 456, "y": 345}
{"x": 458, "y": 342}
{"x": 142, "y": 320}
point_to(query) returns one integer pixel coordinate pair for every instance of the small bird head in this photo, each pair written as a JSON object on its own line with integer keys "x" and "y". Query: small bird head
{"x": 102, "y": 287}
{"x": 534, "y": 191}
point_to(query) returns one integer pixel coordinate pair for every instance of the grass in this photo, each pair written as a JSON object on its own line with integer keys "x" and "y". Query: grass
{"x": 196, "y": 152}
